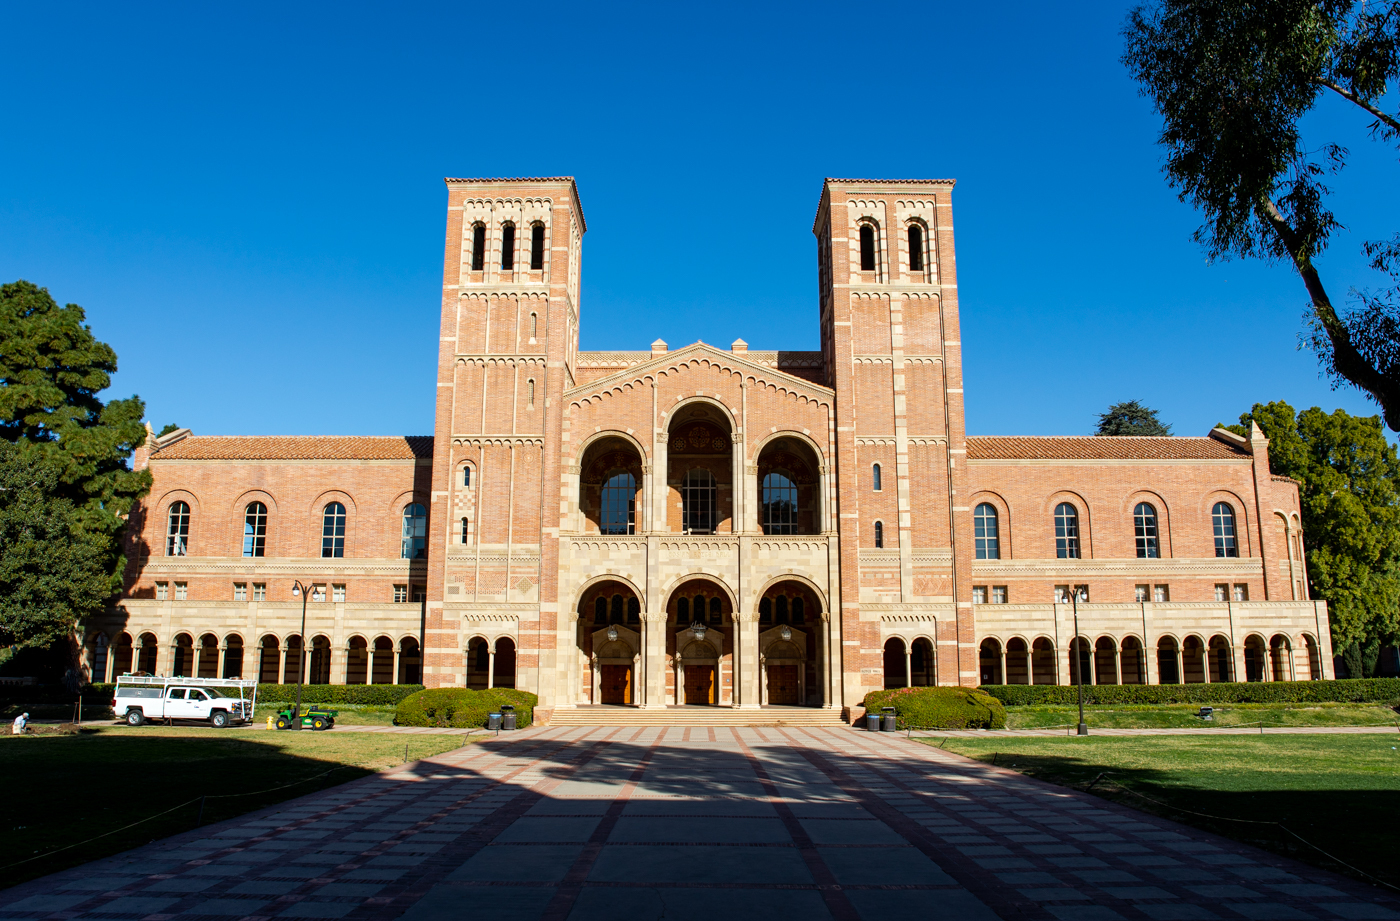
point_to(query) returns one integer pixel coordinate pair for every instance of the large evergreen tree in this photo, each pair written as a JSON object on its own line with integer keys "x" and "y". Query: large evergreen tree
{"x": 1131, "y": 418}
{"x": 1350, "y": 497}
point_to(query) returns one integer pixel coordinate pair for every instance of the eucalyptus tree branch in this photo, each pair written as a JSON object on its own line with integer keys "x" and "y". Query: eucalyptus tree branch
{"x": 1389, "y": 120}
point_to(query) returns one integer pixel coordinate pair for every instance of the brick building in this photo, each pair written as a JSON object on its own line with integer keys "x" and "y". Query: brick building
{"x": 713, "y": 526}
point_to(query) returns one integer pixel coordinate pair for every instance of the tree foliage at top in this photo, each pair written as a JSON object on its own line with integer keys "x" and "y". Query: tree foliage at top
{"x": 1131, "y": 418}
{"x": 1350, "y": 497}
{"x": 1232, "y": 80}
{"x": 52, "y": 369}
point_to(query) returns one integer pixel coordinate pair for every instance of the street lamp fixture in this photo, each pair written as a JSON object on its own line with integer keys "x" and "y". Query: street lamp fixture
{"x": 612, "y": 634}
{"x": 303, "y": 590}
{"x": 698, "y": 629}
{"x": 785, "y": 633}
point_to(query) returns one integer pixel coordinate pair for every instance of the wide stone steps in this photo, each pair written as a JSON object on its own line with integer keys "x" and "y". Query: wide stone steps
{"x": 695, "y": 716}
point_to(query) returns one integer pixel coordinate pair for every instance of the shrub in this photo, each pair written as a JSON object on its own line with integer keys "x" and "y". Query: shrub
{"x": 1346, "y": 690}
{"x": 384, "y": 695}
{"x": 940, "y": 708}
{"x": 461, "y": 708}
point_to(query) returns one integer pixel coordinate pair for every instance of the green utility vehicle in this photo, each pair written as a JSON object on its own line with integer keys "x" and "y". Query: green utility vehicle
{"x": 312, "y": 718}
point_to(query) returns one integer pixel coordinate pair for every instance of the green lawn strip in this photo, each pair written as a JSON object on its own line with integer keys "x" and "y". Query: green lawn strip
{"x": 1338, "y": 792}
{"x": 1171, "y": 716}
{"x": 68, "y": 788}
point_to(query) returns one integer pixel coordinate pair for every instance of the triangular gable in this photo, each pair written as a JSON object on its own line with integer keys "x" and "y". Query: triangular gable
{"x": 721, "y": 357}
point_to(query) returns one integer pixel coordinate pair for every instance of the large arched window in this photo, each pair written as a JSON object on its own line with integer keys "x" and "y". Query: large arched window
{"x": 1066, "y": 532}
{"x": 536, "y": 249}
{"x": 508, "y": 247}
{"x": 879, "y": 534}
{"x": 1145, "y": 531}
{"x": 986, "y": 541}
{"x": 875, "y": 477}
{"x": 177, "y": 530}
{"x": 254, "y": 529}
{"x": 867, "y": 248}
{"x": 333, "y": 531}
{"x": 619, "y": 512}
{"x": 779, "y": 505}
{"x": 698, "y": 502}
{"x": 916, "y": 248}
{"x": 415, "y": 532}
{"x": 478, "y": 247}
{"x": 1223, "y": 518}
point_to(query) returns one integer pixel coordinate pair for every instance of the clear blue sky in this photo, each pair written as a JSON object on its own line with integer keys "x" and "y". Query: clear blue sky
{"x": 248, "y": 199}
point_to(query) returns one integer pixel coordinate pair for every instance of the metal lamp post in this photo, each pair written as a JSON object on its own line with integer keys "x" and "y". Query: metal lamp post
{"x": 1079, "y": 658}
{"x": 304, "y": 591}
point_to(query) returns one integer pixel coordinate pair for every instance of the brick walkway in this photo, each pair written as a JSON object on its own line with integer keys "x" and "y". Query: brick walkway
{"x": 696, "y": 823}
{"x": 1191, "y": 731}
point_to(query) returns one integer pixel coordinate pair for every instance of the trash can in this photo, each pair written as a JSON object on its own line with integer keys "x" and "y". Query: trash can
{"x": 507, "y": 716}
{"x": 493, "y": 721}
{"x": 887, "y": 720}
{"x": 872, "y": 722}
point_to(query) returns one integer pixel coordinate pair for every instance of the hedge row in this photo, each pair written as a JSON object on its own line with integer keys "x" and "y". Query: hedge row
{"x": 939, "y": 708}
{"x": 1345, "y": 690}
{"x": 463, "y": 708}
{"x": 386, "y": 695}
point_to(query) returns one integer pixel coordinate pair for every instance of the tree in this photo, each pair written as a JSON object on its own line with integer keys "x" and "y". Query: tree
{"x": 1232, "y": 80}
{"x": 52, "y": 369}
{"x": 1131, "y": 418}
{"x": 53, "y": 571}
{"x": 1350, "y": 497}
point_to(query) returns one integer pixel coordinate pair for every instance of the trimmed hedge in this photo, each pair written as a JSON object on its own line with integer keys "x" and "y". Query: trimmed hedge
{"x": 1344, "y": 690}
{"x": 939, "y": 708}
{"x": 463, "y": 708}
{"x": 384, "y": 695}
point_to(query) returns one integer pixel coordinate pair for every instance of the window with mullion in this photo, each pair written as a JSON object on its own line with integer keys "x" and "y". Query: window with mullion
{"x": 986, "y": 541}
{"x": 698, "y": 502}
{"x": 254, "y": 529}
{"x": 619, "y": 505}
{"x": 1145, "y": 531}
{"x": 1223, "y": 519}
{"x": 333, "y": 531}
{"x": 415, "y": 532}
{"x": 779, "y": 505}
{"x": 177, "y": 530}
{"x": 1066, "y": 532}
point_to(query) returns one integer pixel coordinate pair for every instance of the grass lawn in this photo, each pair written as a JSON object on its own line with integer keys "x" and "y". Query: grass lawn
{"x": 1164, "y": 716}
{"x": 67, "y": 788}
{"x": 1341, "y": 793}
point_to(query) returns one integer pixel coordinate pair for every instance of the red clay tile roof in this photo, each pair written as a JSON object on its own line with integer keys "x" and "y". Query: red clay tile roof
{"x": 298, "y": 447}
{"x": 1098, "y": 447}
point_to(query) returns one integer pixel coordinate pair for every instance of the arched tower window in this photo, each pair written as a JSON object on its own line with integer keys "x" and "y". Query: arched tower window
{"x": 879, "y": 534}
{"x": 1223, "y": 518}
{"x": 619, "y": 511}
{"x": 986, "y": 540}
{"x": 698, "y": 502}
{"x": 508, "y": 247}
{"x": 478, "y": 247}
{"x": 916, "y": 248}
{"x": 1145, "y": 531}
{"x": 534, "y": 325}
{"x": 467, "y": 476}
{"x": 875, "y": 477}
{"x": 1066, "y": 532}
{"x": 530, "y": 393}
{"x": 254, "y": 529}
{"x": 177, "y": 530}
{"x": 779, "y": 505}
{"x": 333, "y": 531}
{"x": 536, "y": 250}
{"x": 466, "y": 530}
{"x": 415, "y": 532}
{"x": 867, "y": 248}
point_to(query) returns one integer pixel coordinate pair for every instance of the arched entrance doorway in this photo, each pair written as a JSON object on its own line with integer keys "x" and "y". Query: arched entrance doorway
{"x": 609, "y": 640}
{"x": 789, "y": 645}
{"x": 700, "y": 644}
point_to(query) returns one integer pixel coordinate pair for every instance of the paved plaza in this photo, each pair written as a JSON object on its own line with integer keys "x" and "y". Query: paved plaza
{"x": 696, "y": 823}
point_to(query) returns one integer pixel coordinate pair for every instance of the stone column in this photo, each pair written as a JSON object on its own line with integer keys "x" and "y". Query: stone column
{"x": 1093, "y": 665}
{"x": 1117, "y": 663}
{"x": 1180, "y": 664}
{"x": 1003, "y": 665}
{"x": 223, "y": 658}
{"x": 1205, "y": 663}
{"x": 596, "y": 681}
{"x": 398, "y": 660}
{"x": 490, "y": 667}
{"x": 660, "y": 488}
{"x": 680, "y": 680}
{"x": 762, "y": 680}
{"x": 1149, "y": 673}
{"x": 282, "y": 664}
{"x": 908, "y": 666}
{"x": 110, "y": 666}
{"x": 750, "y": 681}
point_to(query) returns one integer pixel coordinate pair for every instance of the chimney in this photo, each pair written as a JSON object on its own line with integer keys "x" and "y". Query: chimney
{"x": 739, "y": 346}
{"x": 658, "y": 348}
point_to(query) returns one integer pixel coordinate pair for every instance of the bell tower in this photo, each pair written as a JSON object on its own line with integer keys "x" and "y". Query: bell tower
{"x": 891, "y": 344}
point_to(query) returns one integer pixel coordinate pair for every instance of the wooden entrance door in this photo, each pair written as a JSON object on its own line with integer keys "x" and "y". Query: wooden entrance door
{"x": 782, "y": 684}
{"x": 699, "y": 684}
{"x": 617, "y": 684}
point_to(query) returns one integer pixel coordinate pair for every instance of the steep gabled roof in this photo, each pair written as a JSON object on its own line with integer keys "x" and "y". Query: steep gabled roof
{"x": 701, "y": 348}
{"x": 1099, "y": 447}
{"x": 298, "y": 447}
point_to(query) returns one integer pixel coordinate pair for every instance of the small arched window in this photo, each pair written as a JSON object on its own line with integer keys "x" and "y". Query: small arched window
{"x": 779, "y": 505}
{"x": 254, "y": 529}
{"x": 600, "y": 610}
{"x": 867, "y": 248}
{"x": 683, "y": 611}
{"x": 333, "y": 531}
{"x": 986, "y": 540}
{"x": 415, "y": 532}
{"x": 716, "y": 611}
{"x": 617, "y": 609}
{"x": 467, "y": 477}
{"x": 534, "y": 325}
{"x": 1223, "y": 518}
{"x": 508, "y": 247}
{"x": 530, "y": 393}
{"x": 466, "y": 532}
{"x": 875, "y": 477}
{"x": 1066, "y": 532}
{"x": 916, "y": 248}
{"x": 536, "y": 249}
{"x": 879, "y": 534}
{"x": 798, "y": 614}
{"x": 478, "y": 247}
{"x": 634, "y": 611}
{"x": 619, "y": 505}
{"x": 765, "y": 611}
{"x": 177, "y": 530}
{"x": 698, "y": 502}
{"x": 780, "y": 612}
{"x": 1145, "y": 531}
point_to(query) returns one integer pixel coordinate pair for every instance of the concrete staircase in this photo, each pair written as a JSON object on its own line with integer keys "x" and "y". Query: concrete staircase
{"x": 694, "y": 716}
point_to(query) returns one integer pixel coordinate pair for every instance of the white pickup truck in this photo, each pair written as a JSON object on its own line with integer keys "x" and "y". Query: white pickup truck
{"x": 217, "y": 702}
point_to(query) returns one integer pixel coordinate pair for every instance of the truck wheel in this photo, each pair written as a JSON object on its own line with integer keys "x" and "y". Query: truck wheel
{"x": 319, "y": 723}
{"x": 218, "y": 719}
{"x": 135, "y": 717}
{"x": 283, "y": 723}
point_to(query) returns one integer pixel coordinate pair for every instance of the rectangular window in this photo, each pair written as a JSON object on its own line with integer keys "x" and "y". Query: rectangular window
{"x": 1241, "y": 592}
{"x": 181, "y": 591}
{"x": 1141, "y": 592}
{"x": 537, "y": 247}
{"x": 1062, "y": 594}
{"x": 998, "y": 594}
{"x": 508, "y": 248}
{"x": 400, "y": 593}
{"x": 1161, "y": 593}
{"x": 979, "y": 594}
{"x": 240, "y": 591}
{"x": 259, "y": 591}
{"x": 338, "y": 593}
{"x": 419, "y": 593}
{"x": 162, "y": 591}
{"x": 1082, "y": 593}
{"x": 1222, "y": 592}
{"x": 318, "y": 592}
